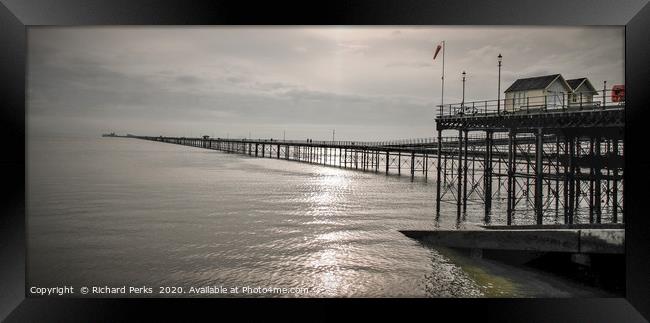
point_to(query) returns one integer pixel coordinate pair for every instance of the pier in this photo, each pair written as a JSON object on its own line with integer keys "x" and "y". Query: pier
{"x": 548, "y": 163}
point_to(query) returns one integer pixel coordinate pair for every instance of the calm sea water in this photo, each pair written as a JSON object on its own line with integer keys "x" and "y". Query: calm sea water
{"x": 114, "y": 212}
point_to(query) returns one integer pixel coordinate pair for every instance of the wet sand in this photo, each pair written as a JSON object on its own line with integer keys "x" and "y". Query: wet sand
{"x": 498, "y": 279}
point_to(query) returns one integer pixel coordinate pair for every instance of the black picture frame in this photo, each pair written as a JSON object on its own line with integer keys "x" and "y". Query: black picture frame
{"x": 17, "y": 15}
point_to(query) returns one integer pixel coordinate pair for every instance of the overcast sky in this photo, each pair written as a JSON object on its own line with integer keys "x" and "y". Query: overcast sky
{"x": 369, "y": 83}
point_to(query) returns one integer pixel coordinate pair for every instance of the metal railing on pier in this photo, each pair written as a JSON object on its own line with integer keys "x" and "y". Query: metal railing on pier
{"x": 342, "y": 143}
{"x": 553, "y": 102}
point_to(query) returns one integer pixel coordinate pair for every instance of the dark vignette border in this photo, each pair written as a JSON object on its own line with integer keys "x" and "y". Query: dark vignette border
{"x": 16, "y": 14}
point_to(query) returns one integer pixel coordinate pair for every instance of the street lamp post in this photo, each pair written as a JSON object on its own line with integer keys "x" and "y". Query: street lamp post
{"x": 499, "y": 87}
{"x": 462, "y": 104}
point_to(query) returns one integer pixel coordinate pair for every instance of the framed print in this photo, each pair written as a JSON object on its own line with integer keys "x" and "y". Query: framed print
{"x": 359, "y": 156}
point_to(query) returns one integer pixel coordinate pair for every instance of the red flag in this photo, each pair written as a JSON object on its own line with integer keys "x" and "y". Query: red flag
{"x": 438, "y": 48}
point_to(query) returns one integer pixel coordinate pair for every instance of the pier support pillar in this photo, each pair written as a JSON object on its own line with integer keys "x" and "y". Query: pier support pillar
{"x": 578, "y": 186}
{"x": 511, "y": 172}
{"x": 399, "y": 163}
{"x": 615, "y": 185}
{"x": 412, "y": 166}
{"x": 459, "y": 181}
{"x": 465, "y": 173}
{"x": 425, "y": 167}
{"x": 592, "y": 175}
{"x": 387, "y": 161}
{"x": 565, "y": 186}
{"x": 571, "y": 180}
{"x": 539, "y": 171}
{"x": 487, "y": 176}
{"x": 356, "y": 159}
{"x": 597, "y": 178}
{"x": 377, "y": 161}
{"x": 557, "y": 176}
{"x": 438, "y": 179}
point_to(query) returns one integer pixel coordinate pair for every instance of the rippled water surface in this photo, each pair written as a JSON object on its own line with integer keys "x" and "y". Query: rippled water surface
{"x": 112, "y": 211}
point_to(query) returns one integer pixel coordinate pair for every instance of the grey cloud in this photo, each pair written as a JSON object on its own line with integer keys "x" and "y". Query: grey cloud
{"x": 237, "y": 79}
{"x": 354, "y": 48}
{"x": 188, "y": 79}
{"x": 301, "y": 95}
{"x": 265, "y": 80}
{"x": 273, "y": 85}
{"x": 409, "y": 64}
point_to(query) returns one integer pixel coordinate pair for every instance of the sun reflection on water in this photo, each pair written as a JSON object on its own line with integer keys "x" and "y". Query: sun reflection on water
{"x": 328, "y": 196}
{"x": 329, "y": 278}
{"x": 330, "y": 188}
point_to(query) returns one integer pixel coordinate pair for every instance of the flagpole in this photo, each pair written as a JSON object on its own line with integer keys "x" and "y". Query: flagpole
{"x": 442, "y": 94}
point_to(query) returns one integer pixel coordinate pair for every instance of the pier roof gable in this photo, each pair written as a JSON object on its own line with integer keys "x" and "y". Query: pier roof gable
{"x": 576, "y": 83}
{"x": 537, "y": 83}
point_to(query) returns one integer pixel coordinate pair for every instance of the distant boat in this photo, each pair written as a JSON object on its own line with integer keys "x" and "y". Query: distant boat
{"x": 112, "y": 134}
